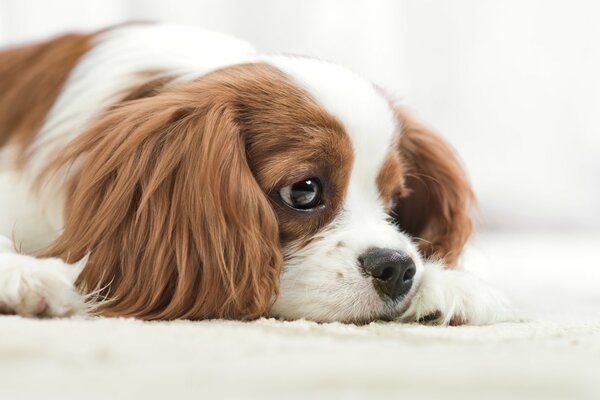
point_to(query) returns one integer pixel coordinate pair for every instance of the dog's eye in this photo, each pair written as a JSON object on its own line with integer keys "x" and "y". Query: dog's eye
{"x": 303, "y": 195}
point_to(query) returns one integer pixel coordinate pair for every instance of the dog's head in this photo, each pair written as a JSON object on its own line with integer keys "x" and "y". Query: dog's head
{"x": 286, "y": 187}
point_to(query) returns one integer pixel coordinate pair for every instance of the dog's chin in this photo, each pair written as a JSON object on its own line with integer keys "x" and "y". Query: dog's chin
{"x": 360, "y": 303}
{"x": 357, "y": 313}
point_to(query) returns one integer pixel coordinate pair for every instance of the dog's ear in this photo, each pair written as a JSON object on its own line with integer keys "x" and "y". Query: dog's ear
{"x": 437, "y": 200}
{"x": 166, "y": 206}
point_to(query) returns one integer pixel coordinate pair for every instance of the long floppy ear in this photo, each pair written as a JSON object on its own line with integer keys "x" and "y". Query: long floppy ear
{"x": 436, "y": 207}
{"x": 164, "y": 202}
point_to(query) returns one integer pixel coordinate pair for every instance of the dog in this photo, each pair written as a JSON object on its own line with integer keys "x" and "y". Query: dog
{"x": 164, "y": 172}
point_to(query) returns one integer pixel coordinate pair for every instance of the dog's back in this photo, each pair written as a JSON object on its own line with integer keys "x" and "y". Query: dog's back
{"x": 31, "y": 79}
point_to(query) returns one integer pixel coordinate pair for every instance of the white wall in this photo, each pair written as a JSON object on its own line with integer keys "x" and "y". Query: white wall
{"x": 513, "y": 84}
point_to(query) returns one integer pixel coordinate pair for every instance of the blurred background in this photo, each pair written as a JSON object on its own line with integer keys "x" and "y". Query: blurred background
{"x": 514, "y": 85}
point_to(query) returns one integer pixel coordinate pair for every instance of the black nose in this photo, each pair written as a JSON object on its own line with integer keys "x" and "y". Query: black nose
{"x": 392, "y": 271}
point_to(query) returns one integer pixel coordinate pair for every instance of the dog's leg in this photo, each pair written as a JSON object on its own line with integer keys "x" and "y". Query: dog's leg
{"x": 451, "y": 297}
{"x": 37, "y": 287}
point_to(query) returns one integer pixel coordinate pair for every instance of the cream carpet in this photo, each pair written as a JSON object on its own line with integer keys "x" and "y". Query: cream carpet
{"x": 554, "y": 282}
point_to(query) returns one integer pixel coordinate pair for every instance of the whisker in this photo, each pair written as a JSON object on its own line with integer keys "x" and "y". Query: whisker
{"x": 423, "y": 240}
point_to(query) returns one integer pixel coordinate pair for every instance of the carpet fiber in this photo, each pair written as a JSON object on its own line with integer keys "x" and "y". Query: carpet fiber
{"x": 553, "y": 281}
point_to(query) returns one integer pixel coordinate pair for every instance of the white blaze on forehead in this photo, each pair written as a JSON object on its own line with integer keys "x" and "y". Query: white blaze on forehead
{"x": 364, "y": 113}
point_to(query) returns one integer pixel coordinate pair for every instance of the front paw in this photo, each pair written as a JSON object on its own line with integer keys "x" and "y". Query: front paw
{"x": 448, "y": 297}
{"x": 33, "y": 287}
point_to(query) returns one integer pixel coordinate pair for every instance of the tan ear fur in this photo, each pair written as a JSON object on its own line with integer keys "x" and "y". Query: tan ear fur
{"x": 164, "y": 201}
{"x": 436, "y": 205}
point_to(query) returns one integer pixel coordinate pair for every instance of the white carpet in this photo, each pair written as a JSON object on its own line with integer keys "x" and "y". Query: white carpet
{"x": 554, "y": 282}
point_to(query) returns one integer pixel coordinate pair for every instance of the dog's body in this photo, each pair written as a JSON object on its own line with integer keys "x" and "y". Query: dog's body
{"x": 189, "y": 177}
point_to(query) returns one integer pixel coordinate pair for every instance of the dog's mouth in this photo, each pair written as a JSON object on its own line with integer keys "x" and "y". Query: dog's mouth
{"x": 359, "y": 303}
{"x": 392, "y": 312}
{"x": 396, "y": 309}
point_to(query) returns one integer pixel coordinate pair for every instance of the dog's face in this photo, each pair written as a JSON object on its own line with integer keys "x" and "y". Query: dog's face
{"x": 333, "y": 178}
{"x": 288, "y": 187}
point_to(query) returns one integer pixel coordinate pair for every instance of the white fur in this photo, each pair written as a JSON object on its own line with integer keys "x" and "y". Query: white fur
{"x": 23, "y": 216}
{"x": 114, "y": 65}
{"x": 321, "y": 281}
{"x": 456, "y": 297}
{"x": 102, "y": 76}
{"x": 35, "y": 287}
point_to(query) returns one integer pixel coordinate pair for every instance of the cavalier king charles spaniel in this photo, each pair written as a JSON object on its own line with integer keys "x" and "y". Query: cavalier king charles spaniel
{"x": 163, "y": 172}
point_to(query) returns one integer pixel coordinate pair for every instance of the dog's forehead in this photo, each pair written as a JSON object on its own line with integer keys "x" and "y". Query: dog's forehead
{"x": 364, "y": 112}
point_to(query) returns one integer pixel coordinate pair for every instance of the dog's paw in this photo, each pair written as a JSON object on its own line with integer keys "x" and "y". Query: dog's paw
{"x": 449, "y": 297}
{"x": 33, "y": 287}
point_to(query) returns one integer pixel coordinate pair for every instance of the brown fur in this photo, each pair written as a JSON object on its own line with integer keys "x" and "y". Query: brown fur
{"x": 426, "y": 187}
{"x": 173, "y": 195}
{"x": 291, "y": 140}
{"x": 391, "y": 179}
{"x": 175, "y": 191}
{"x": 152, "y": 84}
{"x": 31, "y": 79}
